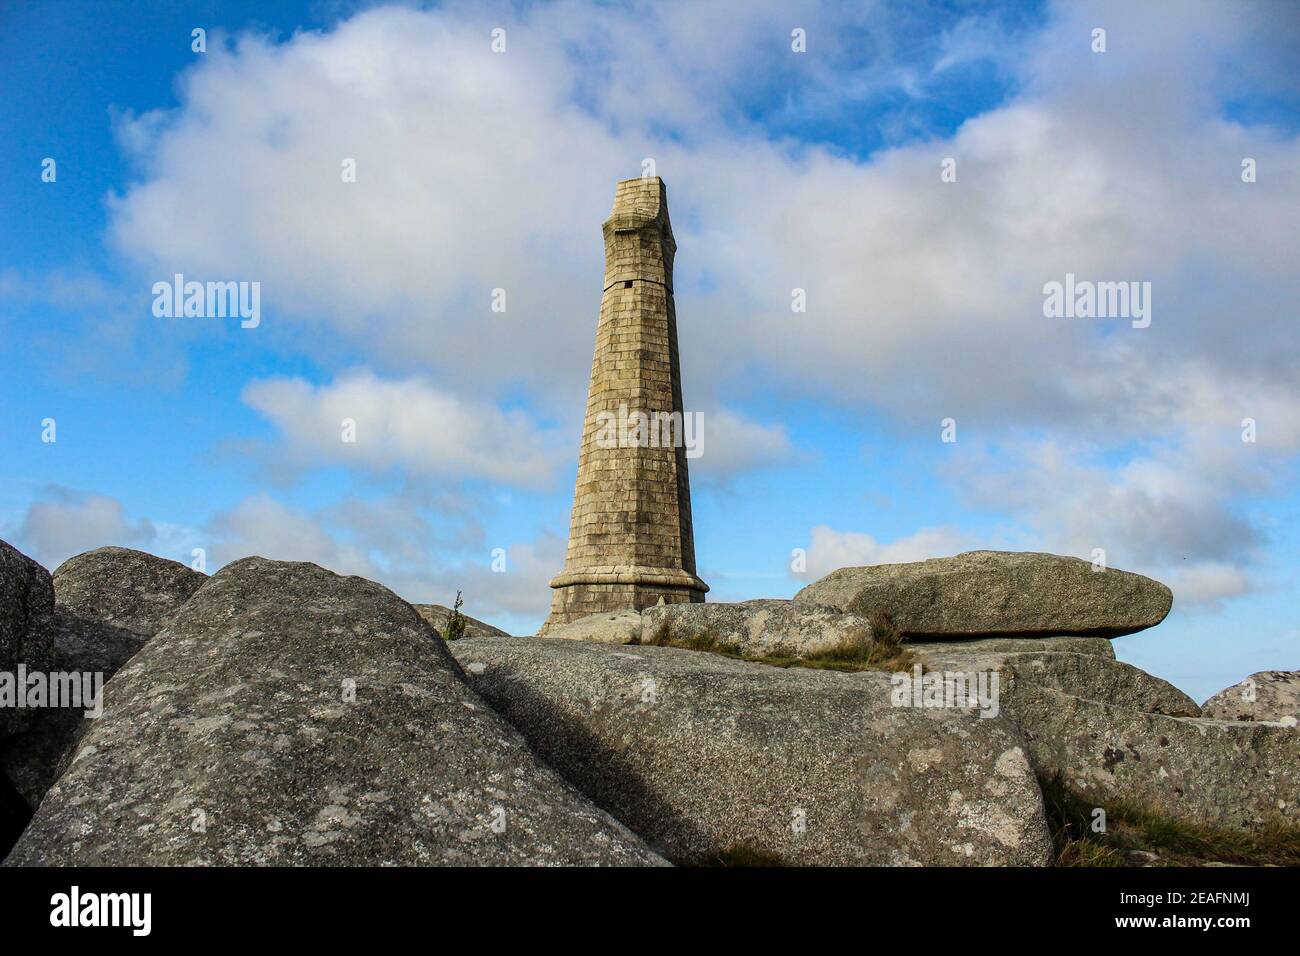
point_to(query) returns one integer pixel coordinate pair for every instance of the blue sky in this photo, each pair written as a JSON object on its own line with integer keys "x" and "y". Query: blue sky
{"x": 817, "y": 170}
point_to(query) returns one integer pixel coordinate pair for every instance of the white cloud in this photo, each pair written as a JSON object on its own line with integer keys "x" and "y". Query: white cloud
{"x": 924, "y": 297}
{"x": 408, "y": 424}
{"x": 479, "y": 171}
{"x": 72, "y": 522}
{"x": 733, "y": 444}
{"x": 1205, "y": 586}
{"x": 394, "y": 544}
{"x": 395, "y": 541}
{"x": 520, "y": 593}
{"x": 829, "y": 549}
{"x": 262, "y": 526}
{"x": 1168, "y": 512}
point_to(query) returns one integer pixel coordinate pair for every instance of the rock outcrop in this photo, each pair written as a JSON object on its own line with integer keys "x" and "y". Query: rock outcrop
{"x": 708, "y": 758}
{"x": 108, "y": 603}
{"x": 1193, "y": 769}
{"x": 277, "y": 713}
{"x": 997, "y": 593}
{"x": 609, "y": 627}
{"x": 1091, "y": 676}
{"x": 437, "y": 616}
{"x": 759, "y": 628}
{"x": 123, "y": 588}
{"x": 26, "y": 626}
{"x": 286, "y": 715}
{"x": 1100, "y": 679}
{"x": 1066, "y": 644}
{"x": 1265, "y": 696}
{"x": 754, "y": 628}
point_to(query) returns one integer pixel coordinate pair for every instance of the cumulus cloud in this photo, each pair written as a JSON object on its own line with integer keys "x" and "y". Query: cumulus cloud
{"x": 1207, "y": 584}
{"x": 1168, "y": 512}
{"x": 519, "y": 592}
{"x": 408, "y": 424}
{"x": 829, "y": 548}
{"x": 733, "y": 443}
{"x": 262, "y": 526}
{"x": 402, "y": 541}
{"x": 70, "y": 522}
{"x": 1087, "y": 516}
{"x": 922, "y": 295}
{"x": 475, "y": 172}
{"x": 399, "y": 548}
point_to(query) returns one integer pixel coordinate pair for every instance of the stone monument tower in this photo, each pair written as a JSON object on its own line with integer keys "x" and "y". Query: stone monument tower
{"x": 630, "y": 540}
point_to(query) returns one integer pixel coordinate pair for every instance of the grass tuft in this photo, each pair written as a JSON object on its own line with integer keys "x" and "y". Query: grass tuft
{"x": 745, "y": 855}
{"x": 859, "y": 651}
{"x": 1132, "y": 827}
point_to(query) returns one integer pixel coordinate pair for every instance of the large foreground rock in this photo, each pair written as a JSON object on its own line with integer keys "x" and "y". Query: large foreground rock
{"x": 710, "y": 758}
{"x": 1267, "y": 695}
{"x": 1194, "y": 769}
{"x": 437, "y": 616}
{"x": 755, "y": 628}
{"x": 108, "y": 603}
{"x": 286, "y": 715}
{"x": 997, "y": 593}
{"x": 1116, "y": 734}
{"x": 26, "y": 622}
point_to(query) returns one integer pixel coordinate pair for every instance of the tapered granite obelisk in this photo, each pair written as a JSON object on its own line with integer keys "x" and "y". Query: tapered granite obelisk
{"x": 630, "y": 540}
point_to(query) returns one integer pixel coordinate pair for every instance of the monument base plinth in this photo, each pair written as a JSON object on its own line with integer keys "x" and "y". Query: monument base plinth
{"x": 587, "y": 591}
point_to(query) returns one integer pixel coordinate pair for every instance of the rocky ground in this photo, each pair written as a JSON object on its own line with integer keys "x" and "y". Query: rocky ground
{"x": 958, "y": 711}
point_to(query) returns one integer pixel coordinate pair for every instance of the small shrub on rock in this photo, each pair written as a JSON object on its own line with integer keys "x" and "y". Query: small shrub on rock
{"x": 456, "y": 622}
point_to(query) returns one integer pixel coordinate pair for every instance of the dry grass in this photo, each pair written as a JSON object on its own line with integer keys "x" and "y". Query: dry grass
{"x": 859, "y": 651}
{"x": 1131, "y": 827}
{"x": 743, "y": 855}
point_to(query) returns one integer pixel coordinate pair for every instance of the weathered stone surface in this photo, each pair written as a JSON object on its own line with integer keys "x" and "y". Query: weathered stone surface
{"x": 26, "y": 622}
{"x": 1100, "y": 679}
{"x": 238, "y": 714}
{"x": 437, "y": 617}
{"x": 1267, "y": 695}
{"x": 630, "y": 537}
{"x": 612, "y": 627}
{"x": 998, "y": 594}
{"x": 703, "y": 755}
{"x": 756, "y": 628}
{"x": 108, "y": 603}
{"x": 1203, "y": 771}
{"x": 1057, "y": 643}
{"x": 34, "y": 759}
{"x": 1084, "y": 675}
{"x": 131, "y": 590}
{"x": 31, "y": 761}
